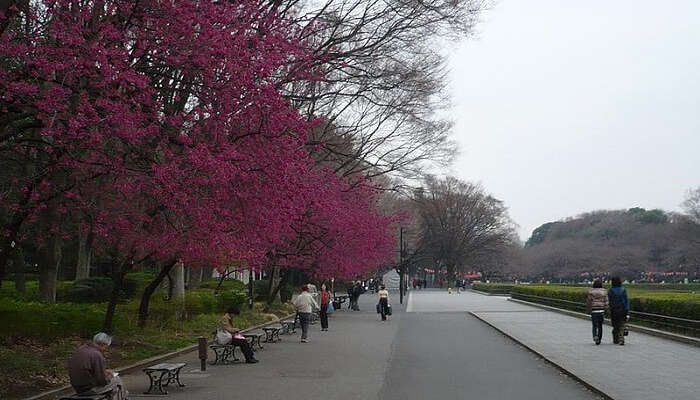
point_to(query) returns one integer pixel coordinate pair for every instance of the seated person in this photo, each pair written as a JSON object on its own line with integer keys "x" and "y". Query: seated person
{"x": 87, "y": 372}
{"x": 226, "y": 323}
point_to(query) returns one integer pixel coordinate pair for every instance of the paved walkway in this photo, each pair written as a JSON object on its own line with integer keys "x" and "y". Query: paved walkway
{"x": 412, "y": 356}
{"x": 647, "y": 367}
{"x": 348, "y": 362}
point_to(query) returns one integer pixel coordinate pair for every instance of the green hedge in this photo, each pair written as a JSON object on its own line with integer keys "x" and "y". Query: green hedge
{"x": 94, "y": 289}
{"x": 494, "y": 288}
{"x": 31, "y": 293}
{"x": 90, "y": 290}
{"x": 46, "y": 321}
{"x": 679, "y": 305}
{"x": 568, "y": 294}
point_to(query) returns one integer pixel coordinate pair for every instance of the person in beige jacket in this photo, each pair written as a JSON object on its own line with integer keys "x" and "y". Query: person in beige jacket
{"x": 305, "y": 305}
{"x": 597, "y": 304}
{"x": 226, "y": 324}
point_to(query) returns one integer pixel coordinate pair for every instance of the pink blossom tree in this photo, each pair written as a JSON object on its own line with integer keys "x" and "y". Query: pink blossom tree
{"x": 164, "y": 123}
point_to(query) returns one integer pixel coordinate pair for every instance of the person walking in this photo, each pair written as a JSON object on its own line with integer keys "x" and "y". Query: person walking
{"x": 596, "y": 304}
{"x": 351, "y": 296}
{"x": 383, "y": 302}
{"x": 305, "y": 305}
{"x": 325, "y": 303}
{"x": 356, "y": 292}
{"x": 619, "y": 310}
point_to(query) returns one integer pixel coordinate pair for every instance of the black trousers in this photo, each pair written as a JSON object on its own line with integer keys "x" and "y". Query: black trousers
{"x": 324, "y": 316}
{"x": 383, "y": 305}
{"x": 618, "y": 323}
{"x": 245, "y": 348}
{"x": 597, "y": 320}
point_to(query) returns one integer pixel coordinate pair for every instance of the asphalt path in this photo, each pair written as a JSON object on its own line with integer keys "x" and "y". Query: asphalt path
{"x": 443, "y": 352}
{"x": 437, "y": 351}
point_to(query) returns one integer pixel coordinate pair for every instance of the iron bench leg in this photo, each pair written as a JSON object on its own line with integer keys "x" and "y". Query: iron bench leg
{"x": 156, "y": 382}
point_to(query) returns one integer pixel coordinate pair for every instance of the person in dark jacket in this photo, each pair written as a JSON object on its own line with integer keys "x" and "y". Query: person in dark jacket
{"x": 88, "y": 372}
{"x": 597, "y": 304}
{"x": 356, "y": 292}
{"x": 619, "y": 309}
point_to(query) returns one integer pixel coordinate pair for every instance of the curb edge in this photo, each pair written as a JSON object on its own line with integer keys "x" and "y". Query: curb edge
{"x": 559, "y": 367}
{"x": 139, "y": 364}
{"x": 635, "y": 328}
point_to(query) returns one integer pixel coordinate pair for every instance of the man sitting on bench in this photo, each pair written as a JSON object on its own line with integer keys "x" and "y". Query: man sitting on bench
{"x": 226, "y": 323}
{"x": 87, "y": 372}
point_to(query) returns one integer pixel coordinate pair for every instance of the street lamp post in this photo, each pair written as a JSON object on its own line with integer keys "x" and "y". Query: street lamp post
{"x": 402, "y": 251}
{"x": 250, "y": 288}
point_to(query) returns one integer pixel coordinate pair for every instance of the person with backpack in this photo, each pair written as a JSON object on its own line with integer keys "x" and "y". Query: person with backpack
{"x": 619, "y": 309}
{"x": 596, "y": 304}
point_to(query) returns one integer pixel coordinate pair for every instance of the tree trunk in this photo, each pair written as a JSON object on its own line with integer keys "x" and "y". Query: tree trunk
{"x": 18, "y": 261}
{"x": 48, "y": 272}
{"x": 148, "y": 292}
{"x": 207, "y": 273}
{"x": 117, "y": 281}
{"x": 273, "y": 288}
{"x": 178, "y": 282}
{"x": 6, "y": 247}
{"x": 275, "y": 294}
{"x": 195, "y": 277}
{"x": 85, "y": 239}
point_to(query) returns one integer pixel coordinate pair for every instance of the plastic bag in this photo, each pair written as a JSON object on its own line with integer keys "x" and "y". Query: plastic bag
{"x": 388, "y": 309}
{"x": 223, "y": 337}
{"x": 330, "y": 308}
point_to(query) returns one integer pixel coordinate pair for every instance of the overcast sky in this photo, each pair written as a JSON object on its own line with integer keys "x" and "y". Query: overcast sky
{"x": 563, "y": 107}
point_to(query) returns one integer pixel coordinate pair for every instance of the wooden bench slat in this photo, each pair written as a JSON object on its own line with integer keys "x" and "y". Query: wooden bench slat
{"x": 166, "y": 366}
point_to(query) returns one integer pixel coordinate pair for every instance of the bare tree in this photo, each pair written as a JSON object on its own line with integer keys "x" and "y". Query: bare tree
{"x": 691, "y": 205}
{"x": 384, "y": 80}
{"x": 462, "y": 224}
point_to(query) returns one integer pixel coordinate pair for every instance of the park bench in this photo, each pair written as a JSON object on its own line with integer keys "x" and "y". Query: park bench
{"x": 289, "y": 326}
{"x": 339, "y": 300}
{"x": 253, "y": 339}
{"x": 272, "y": 332}
{"x": 162, "y": 375}
{"x": 223, "y": 353}
{"x": 106, "y": 395}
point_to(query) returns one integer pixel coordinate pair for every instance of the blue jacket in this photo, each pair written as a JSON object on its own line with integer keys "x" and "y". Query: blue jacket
{"x": 616, "y": 294}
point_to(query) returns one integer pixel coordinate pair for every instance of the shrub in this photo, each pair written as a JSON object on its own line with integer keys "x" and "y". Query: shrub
{"x": 48, "y": 321}
{"x": 28, "y": 276}
{"x": 286, "y": 292}
{"x": 196, "y": 303}
{"x": 228, "y": 284}
{"x": 230, "y": 298}
{"x": 494, "y": 288}
{"x": 90, "y": 290}
{"x": 32, "y": 290}
{"x": 260, "y": 288}
{"x": 679, "y": 305}
{"x": 136, "y": 282}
